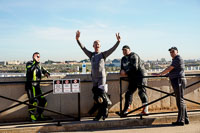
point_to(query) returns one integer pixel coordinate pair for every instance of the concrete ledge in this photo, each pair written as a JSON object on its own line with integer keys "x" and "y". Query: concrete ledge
{"x": 88, "y": 125}
{"x": 68, "y": 103}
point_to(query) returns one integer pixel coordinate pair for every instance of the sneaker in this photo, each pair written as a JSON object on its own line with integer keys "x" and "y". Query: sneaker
{"x": 144, "y": 110}
{"x": 144, "y": 113}
{"x": 124, "y": 112}
{"x": 33, "y": 118}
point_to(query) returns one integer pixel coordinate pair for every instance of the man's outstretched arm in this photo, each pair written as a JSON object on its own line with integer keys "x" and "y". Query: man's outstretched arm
{"x": 111, "y": 50}
{"x": 87, "y": 52}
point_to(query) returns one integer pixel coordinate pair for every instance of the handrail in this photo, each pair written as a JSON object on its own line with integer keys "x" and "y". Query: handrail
{"x": 124, "y": 78}
{"x": 28, "y": 104}
{"x": 167, "y": 94}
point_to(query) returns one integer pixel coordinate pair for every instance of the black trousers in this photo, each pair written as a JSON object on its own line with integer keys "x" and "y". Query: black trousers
{"x": 178, "y": 85}
{"x": 33, "y": 91}
{"x": 100, "y": 99}
{"x": 134, "y": 84}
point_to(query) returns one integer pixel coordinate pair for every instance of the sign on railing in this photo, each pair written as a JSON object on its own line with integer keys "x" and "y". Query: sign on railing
{"x": 62, "y": 86}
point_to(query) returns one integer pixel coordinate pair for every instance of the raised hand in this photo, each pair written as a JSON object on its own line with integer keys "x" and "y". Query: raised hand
{"x": 47, "y": 75}
{"x": 118, "y": 37}
{"x": 123, "y": 73}
{"x": 77, "y": 35}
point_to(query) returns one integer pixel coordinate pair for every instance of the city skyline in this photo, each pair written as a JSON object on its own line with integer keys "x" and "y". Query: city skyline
{"x": 150, "y": 28}
{"x": 107, "y": 60}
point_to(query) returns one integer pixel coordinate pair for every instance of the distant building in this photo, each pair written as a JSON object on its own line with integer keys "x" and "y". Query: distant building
{"x": 58, "y": 62}
{"x": 163, "y": 60}
{"x": 147, "y": 66}
{"x": 190, "y": 61}
{"x": 53, "y": 62}
{"x": 49, "y": 62}
{"x": 85, "y": 61}
{"x": 13, "y": 62}
{"x": 72, "y": 62}
{"x": 2, "y": 62}
{"x": 116, "y": 62}
{"x": 108, "y": 62}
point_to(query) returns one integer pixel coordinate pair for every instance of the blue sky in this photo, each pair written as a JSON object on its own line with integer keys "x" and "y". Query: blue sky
{"x": 149, "y": 27}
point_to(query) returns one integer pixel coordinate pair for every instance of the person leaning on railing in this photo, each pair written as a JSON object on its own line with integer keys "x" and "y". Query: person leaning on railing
{"x": 34, "y": 72}
{"x": 177, "y": 77}
{"x": 133, "y": 68}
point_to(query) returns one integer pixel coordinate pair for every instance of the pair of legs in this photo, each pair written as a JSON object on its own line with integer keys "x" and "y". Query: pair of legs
{"x": 178, "y": 85}
{"x": 100, "y": 98}
{"x": 135, "y": 84}
{"x": 101, "y": 103}
{"x": 32, "y": 92}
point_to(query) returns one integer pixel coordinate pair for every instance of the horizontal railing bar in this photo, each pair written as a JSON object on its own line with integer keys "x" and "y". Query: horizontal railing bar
{"x": 21, "y": 102}
{"x": 168, "y": 94}
{"x": 1, "y": 111}
{"x": 123, "y": 78}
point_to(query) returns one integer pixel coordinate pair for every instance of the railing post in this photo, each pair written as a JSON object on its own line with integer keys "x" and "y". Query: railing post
{"x": 120, "y": 95}
{"x": 79, "y": 107}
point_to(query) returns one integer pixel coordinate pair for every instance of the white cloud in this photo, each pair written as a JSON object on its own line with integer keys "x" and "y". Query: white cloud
{"x": 53, "y": 33}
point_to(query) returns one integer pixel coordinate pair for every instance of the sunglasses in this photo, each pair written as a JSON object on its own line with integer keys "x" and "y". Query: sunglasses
{"x": 38, "y": 56}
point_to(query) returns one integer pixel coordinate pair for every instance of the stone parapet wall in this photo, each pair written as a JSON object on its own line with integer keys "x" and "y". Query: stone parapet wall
{"x": 67, "y": 103}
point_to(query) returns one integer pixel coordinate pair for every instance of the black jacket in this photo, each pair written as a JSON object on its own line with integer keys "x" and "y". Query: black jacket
{"x": 132, "y": 65}
{"x": 34, "y": 71}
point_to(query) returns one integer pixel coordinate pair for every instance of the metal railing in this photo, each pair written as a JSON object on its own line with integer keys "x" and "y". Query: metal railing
{"x": 154, "y": 101}
{"x": 26, "y": 102}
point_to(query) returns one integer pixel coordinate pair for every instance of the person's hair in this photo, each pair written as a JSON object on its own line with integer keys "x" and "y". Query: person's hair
{"x": 96, "y": 41}
{"x": 35, "y": 53}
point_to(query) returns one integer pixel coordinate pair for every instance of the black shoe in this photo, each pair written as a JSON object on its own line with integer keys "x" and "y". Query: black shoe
{"x": 33, "y": 121}
{"x": 43, "y": 118}
{"x": 187, "y": 121}
{"x": 104, "y": 118}
{"x": 122, "y": 114}
{"x": 97, "y": 118}
{"x": 105, "y": 115}
{"x": 178, "y": 123}
{"x": 118, "y": 113}
{"x": 40, "y": 119}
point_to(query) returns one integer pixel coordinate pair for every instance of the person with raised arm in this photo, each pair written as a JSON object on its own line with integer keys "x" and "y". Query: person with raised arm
{"x": 98, "y": 74}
